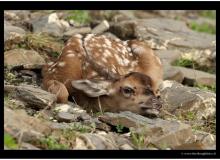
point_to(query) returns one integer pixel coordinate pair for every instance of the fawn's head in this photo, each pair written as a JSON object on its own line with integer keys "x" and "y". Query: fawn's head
{"x": 132, "y": 92}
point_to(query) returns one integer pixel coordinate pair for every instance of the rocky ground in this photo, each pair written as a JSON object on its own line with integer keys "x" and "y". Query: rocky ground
{"x": 185, "y": 42}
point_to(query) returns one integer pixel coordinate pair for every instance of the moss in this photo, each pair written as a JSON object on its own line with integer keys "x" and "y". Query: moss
{"x": 10, "y": 142}
{"x": 205, "y": 27}
{"x": 79, "y": 16}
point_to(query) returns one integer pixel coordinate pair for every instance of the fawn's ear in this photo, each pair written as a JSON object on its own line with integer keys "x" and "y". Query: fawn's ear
{"x": 92, "y": 88}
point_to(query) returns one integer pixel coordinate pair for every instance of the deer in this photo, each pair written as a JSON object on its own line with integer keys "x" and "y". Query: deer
{"x": 106, "y": 74}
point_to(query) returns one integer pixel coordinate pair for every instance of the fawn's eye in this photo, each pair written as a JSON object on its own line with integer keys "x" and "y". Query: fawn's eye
{"x": 127, "y": 91}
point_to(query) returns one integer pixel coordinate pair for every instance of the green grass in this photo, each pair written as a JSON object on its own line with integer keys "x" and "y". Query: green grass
{"x": 190, "y": 116}
{"x": 211, "y": 88}
{"x": 54, "y": 54}
{"x": 8, "y": 76}
{"x": 205, "y": 27}
{"x": 183, "y": 62}
{"x": 10, "y": 142}
{"x": 81, "y": 128}
{"x": 119, "y": 128}
{"x": 138, "y": 140}
{"x": 52, "y": 143}
{"x": 79, "y": 16}
{"x": 208, "y": 125}
{"x": 209, "y": 14}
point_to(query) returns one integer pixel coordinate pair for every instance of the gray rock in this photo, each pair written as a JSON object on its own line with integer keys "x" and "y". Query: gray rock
{"x": 66, "y": 117}
{"x": 101, "y": 126}
{"x": 74, "y": 110}
{"x": 96, "y": 142}
{"x": 126, "y": 147}
{"x": 32, "y": 96}
{"x": 178, "y": 98}
{"x": 82, "y": 30}
{"x": 204, "y": 58}
{"x": 199, "y": 141}
{"x": 15, "y": 15}
{"x": 172, "y": 73}
{"x": 162, "y": 33}
{"x": 102, "y": 27}
{"x": 168, "y": 56}
{"x": 63, "y": 108}
{"x": 50, "y": 24}
{"x": 196, "y": 76}
{"x": 23, "y": 127}
{"x": 159, "y": 132}
{"x": 19, "y": 18}
{"x": 207, "y": 139}
{"x": 18, "y": 57}
{"x": 101, "y": 141}
{"x": 28, "y": 146}
{"x": 11, "y": 32}
{"x": 111, "y": 36}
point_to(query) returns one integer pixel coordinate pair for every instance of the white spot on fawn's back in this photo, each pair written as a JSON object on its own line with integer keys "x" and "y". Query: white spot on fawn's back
{"x": 88, "y": 37}
{"x": 108, "y": 42}
{"x": 50, "y": 63}
{"x": 69, "y": 51}
{"x": 53, "y": 70}
{"x": 158, "y": 59}
{"x": 61, "y": 64}
{"x": 70, "y": 55}
{"x": 137, "y": 49}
